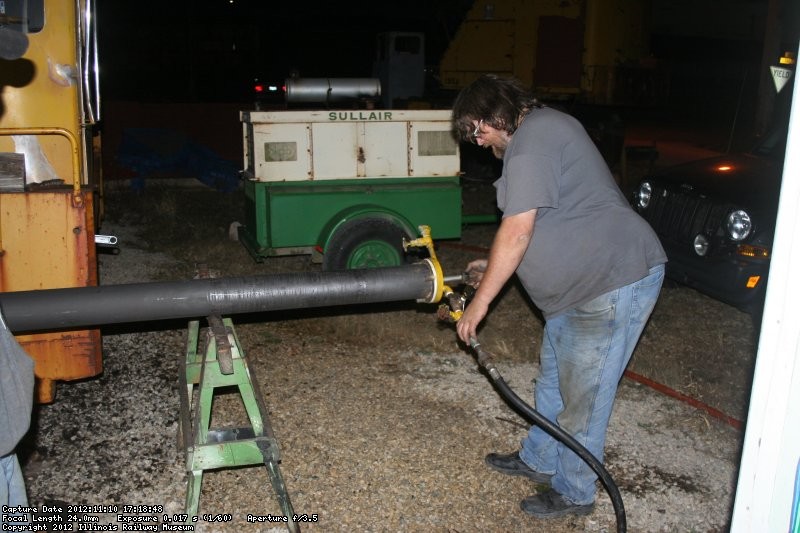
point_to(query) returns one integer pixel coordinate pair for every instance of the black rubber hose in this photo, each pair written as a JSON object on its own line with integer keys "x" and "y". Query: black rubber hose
{"x": 485, "y": 360}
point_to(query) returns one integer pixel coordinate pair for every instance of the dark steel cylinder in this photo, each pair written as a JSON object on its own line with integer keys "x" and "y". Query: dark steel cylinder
{"x": 138, "y": 302}
{"x": 321, "y": 90}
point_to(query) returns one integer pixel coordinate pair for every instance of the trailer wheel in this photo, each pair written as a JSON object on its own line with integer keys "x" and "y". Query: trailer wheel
{"x": 365, "y": 243}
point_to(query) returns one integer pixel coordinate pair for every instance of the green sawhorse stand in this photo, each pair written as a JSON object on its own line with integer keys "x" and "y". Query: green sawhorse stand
{"x": 214, "y": 359}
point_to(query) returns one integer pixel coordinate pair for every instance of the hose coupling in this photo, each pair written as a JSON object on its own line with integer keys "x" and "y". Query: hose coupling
{"x": 452, "y": 310}
{"x": 485, "y": 359}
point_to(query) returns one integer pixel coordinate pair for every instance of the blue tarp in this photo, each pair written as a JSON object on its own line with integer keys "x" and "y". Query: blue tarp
{"x": 155, "y": 151}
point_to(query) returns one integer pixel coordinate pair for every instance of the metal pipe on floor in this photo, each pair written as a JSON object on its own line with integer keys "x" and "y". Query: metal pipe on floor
{"x": 69, "y": 308}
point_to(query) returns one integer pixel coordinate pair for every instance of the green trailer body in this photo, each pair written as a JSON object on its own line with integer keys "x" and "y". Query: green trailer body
{"x": 300, "y": 217}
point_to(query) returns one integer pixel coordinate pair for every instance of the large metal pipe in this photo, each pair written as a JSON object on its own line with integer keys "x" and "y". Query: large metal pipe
{"x": 138, "y": 302}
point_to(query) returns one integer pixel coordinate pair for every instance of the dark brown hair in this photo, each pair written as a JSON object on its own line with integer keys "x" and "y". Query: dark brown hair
{"x": 499, "y": 102}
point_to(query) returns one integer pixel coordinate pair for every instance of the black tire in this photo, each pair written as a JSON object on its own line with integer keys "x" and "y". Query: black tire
{"x": 365, "y": 243}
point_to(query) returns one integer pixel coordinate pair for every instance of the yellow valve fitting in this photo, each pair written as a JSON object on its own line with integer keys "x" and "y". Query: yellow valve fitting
{"x": 426, "y": 241}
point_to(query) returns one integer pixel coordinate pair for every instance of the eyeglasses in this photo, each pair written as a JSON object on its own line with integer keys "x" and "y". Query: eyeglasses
{"x": 477, "y": 132}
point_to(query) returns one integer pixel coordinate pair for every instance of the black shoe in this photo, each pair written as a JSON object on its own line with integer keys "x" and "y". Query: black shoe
{"x": 550, "y": 504}
{"x": 512, "y": 465}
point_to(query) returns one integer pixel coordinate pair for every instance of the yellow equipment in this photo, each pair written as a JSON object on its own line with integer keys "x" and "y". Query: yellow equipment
{"x": 595, "y": 51}
{"x": 50, "y": 174}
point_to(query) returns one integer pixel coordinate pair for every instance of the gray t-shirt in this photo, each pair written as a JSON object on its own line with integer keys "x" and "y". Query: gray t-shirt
{"x": 16, "y": 391}
{"x": 587, "y": 239}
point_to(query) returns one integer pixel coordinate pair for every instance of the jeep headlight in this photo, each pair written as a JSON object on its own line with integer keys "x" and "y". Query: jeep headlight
{"x": 644, "y": 194}
{"x": 701, "y": 245}
{"x": 739, "y": 225}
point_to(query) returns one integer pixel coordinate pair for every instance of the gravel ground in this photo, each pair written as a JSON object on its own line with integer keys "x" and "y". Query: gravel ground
{"x": 383, "y": 421}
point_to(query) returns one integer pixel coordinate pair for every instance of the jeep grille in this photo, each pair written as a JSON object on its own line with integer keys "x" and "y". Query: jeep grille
{"x": 680, "y": 215}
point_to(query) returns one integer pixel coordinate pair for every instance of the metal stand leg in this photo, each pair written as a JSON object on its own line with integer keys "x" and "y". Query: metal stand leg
{"x": 222, "y": 364}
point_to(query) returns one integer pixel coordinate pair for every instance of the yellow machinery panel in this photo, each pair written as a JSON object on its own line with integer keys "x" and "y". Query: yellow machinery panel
{"x": 500, "y": 37}
{"x": 591, "y": 48}
{"x": 44, "y": 89}
{"x": 48, "y": 242}
{"x": 48, "y": 204}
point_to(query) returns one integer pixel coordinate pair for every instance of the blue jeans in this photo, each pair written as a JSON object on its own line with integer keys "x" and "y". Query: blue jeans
{"x": 584, "y": 353}
{"x": 12, "y": 485}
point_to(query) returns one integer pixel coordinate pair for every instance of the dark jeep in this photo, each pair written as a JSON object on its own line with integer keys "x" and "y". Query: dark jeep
{"x": 716, "y": 220}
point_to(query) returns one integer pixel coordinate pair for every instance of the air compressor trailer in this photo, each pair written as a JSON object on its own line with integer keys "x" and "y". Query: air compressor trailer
{"x": 346, "y": 186}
